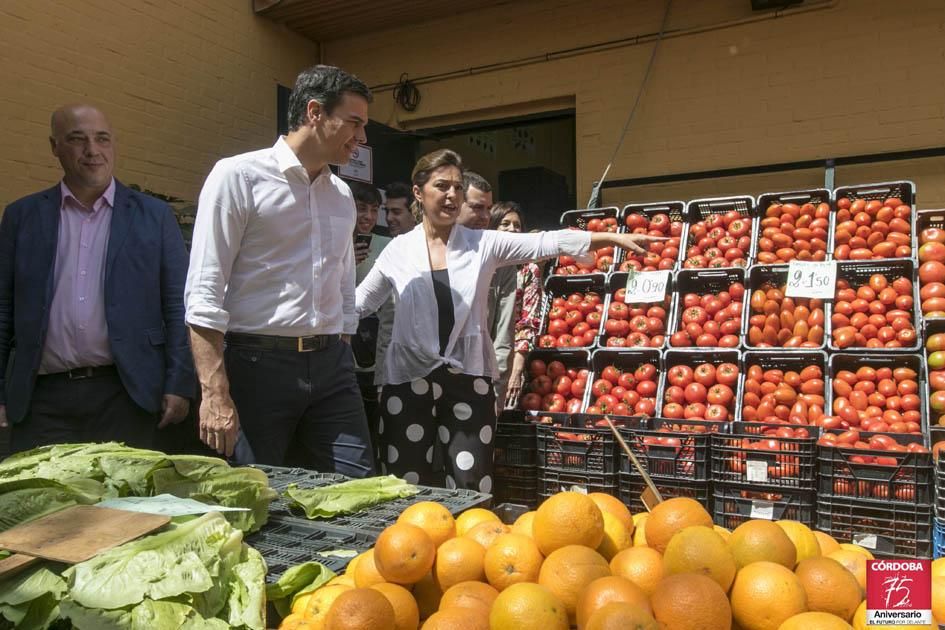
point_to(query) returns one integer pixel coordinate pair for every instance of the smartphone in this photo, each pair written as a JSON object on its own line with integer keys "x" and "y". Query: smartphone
{"x": 363, "y": 238}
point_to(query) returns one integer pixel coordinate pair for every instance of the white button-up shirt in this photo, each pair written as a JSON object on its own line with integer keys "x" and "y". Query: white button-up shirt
{"x": 472, "y": 256}
{"x": 272, "y": 251}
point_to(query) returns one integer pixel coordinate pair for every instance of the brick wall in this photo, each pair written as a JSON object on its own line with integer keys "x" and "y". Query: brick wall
{"x": 184, "y": 82}
{"x": 859, "y": 76}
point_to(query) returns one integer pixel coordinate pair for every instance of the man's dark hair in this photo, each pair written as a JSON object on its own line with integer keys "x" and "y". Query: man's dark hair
{"x": 398, "y": 190}
{"x": 325, "y": 84}
{"x": 477, "y": 181}
{"x": 365, "y": 193}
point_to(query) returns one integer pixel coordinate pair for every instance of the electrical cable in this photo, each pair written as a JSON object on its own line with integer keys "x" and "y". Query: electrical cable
{"x": 406, "y": 93}
{"x": 633, "y": 110}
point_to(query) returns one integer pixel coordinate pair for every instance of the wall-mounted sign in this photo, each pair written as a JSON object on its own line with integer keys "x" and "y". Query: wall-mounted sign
{"x": 359, "y": 167}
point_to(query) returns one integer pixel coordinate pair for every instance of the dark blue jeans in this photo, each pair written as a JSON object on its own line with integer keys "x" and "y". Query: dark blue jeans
{"x": 301, "y": 408}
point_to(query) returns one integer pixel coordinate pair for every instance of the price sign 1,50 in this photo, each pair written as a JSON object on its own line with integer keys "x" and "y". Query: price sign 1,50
{"x": 646, "y": 286}
{"x": 811, "y": 279}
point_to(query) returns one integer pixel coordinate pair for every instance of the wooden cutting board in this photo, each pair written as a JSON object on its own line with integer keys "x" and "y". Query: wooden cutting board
{"x": 74, "y": 534}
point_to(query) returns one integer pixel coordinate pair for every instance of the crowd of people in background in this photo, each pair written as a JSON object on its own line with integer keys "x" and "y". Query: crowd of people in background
{"x": 298, "y": 332}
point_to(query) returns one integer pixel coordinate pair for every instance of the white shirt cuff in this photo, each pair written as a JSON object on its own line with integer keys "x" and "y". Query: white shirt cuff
{"x": 208, "y": 317}
{"x": 573, "y": 242}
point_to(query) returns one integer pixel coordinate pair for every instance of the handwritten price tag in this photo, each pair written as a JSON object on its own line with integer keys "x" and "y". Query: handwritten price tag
{"x": 811, "y": 279}
{"x": 646, "y": 286}
{"x": 762, "y": 509}
{"x": 756, "y": 471}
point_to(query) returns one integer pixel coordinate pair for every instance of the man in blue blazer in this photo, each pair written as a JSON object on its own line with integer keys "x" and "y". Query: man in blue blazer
{"x": 93, "y": 344}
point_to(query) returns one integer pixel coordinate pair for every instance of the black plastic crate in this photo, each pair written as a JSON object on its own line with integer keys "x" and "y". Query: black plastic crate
{"x": 672, "y": 450}
{"x": 551, "y": 481}
{"x": 888, "y": 530}
{"x": 784, "y": 359}
{"x": 515, "y": 484}
{"x": 938, "y": 537}
{"x": 675, "y": 210}
{"x": 625, "y": 361}
{"x": 693, "y": 357}
{"x": 508, "y": 513}
{"x": 852, "y": 362}
{"x": 515, "y": 442}
{"x": 787, "y": 462}
{"x": 814, "y": 196}
{"x": 776, "y": 275}
{"x": 937, "y": 434}
{"x": 563, "y": 286}
{"x": 904, "y": 190}
{"x": 698, "y": 209}
{"x": 632, "y": 487}
{"x": 285, "y": 542}
{"x": 576, "y": 358}
{"x": 618, "y": 281}
{"x": 576, "y": 447}
{"x": 904, "y": 478}
{"x": 705, "y": 282}
{"x": 579, "y": 219}
{"x": 858, "y": 273}
{"x": 733, "y": 504}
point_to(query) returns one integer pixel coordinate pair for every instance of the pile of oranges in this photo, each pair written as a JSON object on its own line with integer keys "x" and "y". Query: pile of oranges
{"x": 584, "y": 561}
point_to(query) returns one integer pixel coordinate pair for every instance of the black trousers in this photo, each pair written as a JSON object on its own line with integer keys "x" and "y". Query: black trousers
{"x": 439, "y": 430}
{"x": 301, "y": 408}
{"x": 96, "y": 409}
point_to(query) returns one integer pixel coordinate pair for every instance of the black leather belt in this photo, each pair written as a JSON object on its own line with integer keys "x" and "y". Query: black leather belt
{"x": 78, "y": 374}
{"x": 311, "y": 343}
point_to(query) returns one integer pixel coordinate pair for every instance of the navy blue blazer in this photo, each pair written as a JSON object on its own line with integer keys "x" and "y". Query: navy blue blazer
{"x": 145, "y": 271}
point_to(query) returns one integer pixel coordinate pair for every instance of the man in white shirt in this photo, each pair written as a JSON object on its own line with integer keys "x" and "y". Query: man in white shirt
{"x": 272, "y": 275}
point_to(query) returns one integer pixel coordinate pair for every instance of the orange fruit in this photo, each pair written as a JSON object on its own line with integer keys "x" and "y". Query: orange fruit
{"x": 366, "y": 573}
{"x": 607, "y": 590}
{"x": 672, "y": 515}
{"x": 294, "y": 621}
{"x": 406, "y": 612}
{"x": 568, "y": 518}
{"x": 427, "y": 593}
{"x": 403, "y": 553}
{"x": 815, "y": 621}
{"x": 472, "y": 517}
{"x": 486, "y": 533}
{"x": 721, "y": 531}
{"x": 621, "y": 616}
{"x": 528, "y": 606}
{"x": 641, "y": 565}
{"x": 321, "y": 600}
{"x": 687, "y": 600}
{"x": 469, "y": 595}
{"x": 938, "y": 597}
{"x": 613, "y": 505}
{"x": 805, "y": 542}
{"x": 639, "y": 529}
{"x": 360, "y": 609}
{"x": 765, "y": 595}
{"x": 853, "y": 562}
{"x": 458, "y": 560}
{"x": 568, "y": 571}
{"x": 699, "y": 549}
{"x": 511, "y": 559}
{"x": 829, "y": 586}
{"x": 826, "y": 542}
{"x": 859, "y": 549}
{"x": 458, "y": 619}
{"x": 353, "y": 564}
{"x": 616, "y": 537}
{"x": 347, "y": 580}
{"x": 523, "y": 524}
{"x": 432, "y": 518}
{"x": 300, "y": 603}
{"x": 762, "y": 540}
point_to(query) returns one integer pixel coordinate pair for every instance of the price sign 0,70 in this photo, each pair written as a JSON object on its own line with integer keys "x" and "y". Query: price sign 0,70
{"x": 646, "y": 286}
{"x": 811, "y": 279}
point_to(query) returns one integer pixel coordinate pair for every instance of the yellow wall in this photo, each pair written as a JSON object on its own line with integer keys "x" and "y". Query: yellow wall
{"x": 855, "y": 77}
{"x": 184, "y": 82}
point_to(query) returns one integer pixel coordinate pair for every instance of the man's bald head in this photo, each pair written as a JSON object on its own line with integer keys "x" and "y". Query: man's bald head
{"x": 81, "y": 138}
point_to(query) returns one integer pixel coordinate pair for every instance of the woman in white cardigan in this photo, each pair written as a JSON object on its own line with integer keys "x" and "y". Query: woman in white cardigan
{"x": 437, "y": 403}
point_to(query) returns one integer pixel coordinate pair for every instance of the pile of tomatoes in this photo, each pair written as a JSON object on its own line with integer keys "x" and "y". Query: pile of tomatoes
{"x": 776, "y": 466}
{"x": 873, "y": 229}
{"x": 935, "y": 346}
{"x": 599, "y": 261}
{"x": 869, "y": 450}
{"x": 720, "y": 240}
{"x": 661, "y": 255}
{"x": 710, "y": 320}
{"x": 784, "y": 397}
{"x": 932, "y": 272}
{"x": 634, "y": 325}
{"x": 624, "y": 393}
{"x": 790, "y": 231}
{"x": 554, "y": 387}
{"x": 784, "y": 322}
{"x": 877, "y": 314}
{"x": 573, "y": 322}
{"x": 883, "y": 399}
{"x": 704, "y": 393}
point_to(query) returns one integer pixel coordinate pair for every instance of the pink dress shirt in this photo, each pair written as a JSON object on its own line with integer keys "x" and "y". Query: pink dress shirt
{"x": 77, "y": 335}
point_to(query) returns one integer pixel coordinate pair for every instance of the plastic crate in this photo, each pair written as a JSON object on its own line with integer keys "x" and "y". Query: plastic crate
{"x": 937, "y": 434}
{"x": 927, "y": 219}
{"x": 672, "y": 450}
{"x": 676, "y": 210}
{"x": 853, "y": 362}
{"x": 632, "y": 487}
{"x": 785, "y": 359}
{"x": 789, "y": 463}
{"x": 904, "y": 190}
{"x": 515, "y": 443}
{"x": 552, "y": 481}
{"x": 577, "y": 358}
{"x": 562, "y": 286}
{"x": 908, "y": 481}
{"x": 280, "y": 477}
{"x": 858, "y": 273}
{"x": 886, "y": 529}
{"x": 698, "y": 209}
{"x": 705, "y": 282}
{"x": 694, "y": 357}
{"x": 814, "y": 196}
{"x": 617, "y": 281}
{"x": 508, "y": 513}
{"x": 776, "y": 275}
{"x": 938, "y": 537}
{"x": 578, "y": 219}
{"x": 285, "y": 542}
{"x": 733, "y": 504}
{"x": 576, "y": 447}
{"x": 515, "y": 484}
{"x": 625, "y": 361}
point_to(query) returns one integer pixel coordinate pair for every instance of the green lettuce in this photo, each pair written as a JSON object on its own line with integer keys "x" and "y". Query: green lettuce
{"x": 30, "y": 600}
{"x": 349, "y": 496}
{"x": 295, "y": 582}
{"x": 148, "y": 615}
{"x": 23, "y": 500}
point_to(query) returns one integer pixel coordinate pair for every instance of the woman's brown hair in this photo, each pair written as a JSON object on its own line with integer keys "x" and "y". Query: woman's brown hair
{"x": 424, "y": 169}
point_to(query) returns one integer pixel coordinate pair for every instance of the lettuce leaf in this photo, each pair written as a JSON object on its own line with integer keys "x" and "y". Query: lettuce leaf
{"x": 148, "y": 615}
{"x": 349, "y": 496}
{"x": 30, "y": 600}
{"x": 296, "y": 581}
